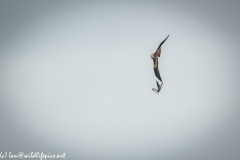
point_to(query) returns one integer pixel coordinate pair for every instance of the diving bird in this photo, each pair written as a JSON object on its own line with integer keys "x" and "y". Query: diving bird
{"x": 159, "y": 88}
{"x": 155, "y": 56}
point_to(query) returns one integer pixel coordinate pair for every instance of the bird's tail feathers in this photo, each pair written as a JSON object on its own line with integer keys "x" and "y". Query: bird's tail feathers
{"x": 155, "y": 90}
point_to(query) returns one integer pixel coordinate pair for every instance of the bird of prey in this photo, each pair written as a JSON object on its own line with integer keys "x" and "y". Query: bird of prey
{"x": 159, "y": 88}
{"x": 155, "y": 56}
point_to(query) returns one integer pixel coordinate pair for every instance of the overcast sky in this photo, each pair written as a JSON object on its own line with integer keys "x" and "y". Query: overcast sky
{"x": 77, "y": 78}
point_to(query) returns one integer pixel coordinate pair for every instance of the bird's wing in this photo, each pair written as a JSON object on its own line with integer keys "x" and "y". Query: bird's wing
{"x": 159, "y": 87}
{"x": 157, "y": 74}
{"x": 158, "y": 84}
{"x": 162, "y": 43}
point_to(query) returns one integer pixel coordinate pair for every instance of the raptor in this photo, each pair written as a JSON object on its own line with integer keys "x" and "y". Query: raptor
{"x": 155, "y": 56}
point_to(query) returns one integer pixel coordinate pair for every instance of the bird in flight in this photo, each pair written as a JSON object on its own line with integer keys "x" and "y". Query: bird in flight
{"x": 154, "y": 57}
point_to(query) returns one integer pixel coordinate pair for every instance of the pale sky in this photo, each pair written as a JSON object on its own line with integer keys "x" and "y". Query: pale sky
{"x": 77, "y": 78}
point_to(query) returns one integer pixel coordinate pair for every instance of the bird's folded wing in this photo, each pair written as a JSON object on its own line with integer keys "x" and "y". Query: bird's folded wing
{"x": 157, "y": 74}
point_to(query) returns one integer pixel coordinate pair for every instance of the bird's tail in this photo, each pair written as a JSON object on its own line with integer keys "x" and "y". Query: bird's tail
{"x": 155, "y": 90}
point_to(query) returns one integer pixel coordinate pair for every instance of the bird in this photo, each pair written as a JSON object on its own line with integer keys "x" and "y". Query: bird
{"x": 159, "y": 88}
{"x": 155, "y": 56}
